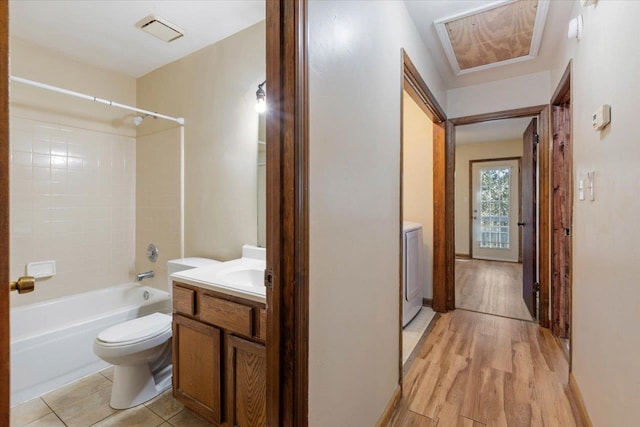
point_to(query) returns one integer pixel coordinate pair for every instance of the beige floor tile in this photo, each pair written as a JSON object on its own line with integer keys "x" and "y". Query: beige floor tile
{"x": 89, "y": 410}
{"x": 50, "y": 420}
{"x": 108, "y": 373}
{"x": 165, "y": 405}
{"x": 140, "y": 416}
{"x": 186, "y": 418}
{"x": 69, "y": 395}
{"x": 28, "y": 412}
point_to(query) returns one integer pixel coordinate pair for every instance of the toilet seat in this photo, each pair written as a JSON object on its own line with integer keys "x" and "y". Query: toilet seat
{"x": 136, "y": 330}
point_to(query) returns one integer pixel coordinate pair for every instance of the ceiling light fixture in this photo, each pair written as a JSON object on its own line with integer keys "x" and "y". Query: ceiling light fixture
{"x": 261, "y": 98}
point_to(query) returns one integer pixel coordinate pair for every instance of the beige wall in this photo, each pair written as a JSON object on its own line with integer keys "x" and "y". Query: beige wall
{"x": 417, "y": 184}
{"x": 73, "y": 176}
{"x": 355, "y": 77}
{"x": 606, "y": 291}
{"x": 158, "y": 202}
{"x": 214, "y": 90}
{"x": 464, "y": 154}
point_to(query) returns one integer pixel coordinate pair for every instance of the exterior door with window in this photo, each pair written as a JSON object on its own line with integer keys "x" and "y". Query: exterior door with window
{"x": 495, "y": 210}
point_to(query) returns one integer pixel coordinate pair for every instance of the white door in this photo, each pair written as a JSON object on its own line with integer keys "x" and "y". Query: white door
{"x": 495, "y": 210}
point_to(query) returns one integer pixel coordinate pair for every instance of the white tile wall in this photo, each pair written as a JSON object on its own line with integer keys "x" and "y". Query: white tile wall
{"x": 72, "y": 200}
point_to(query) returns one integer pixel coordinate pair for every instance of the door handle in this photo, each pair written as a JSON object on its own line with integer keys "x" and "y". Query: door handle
{"x": 23, "y": 285}
{"x": 521, "y": 224}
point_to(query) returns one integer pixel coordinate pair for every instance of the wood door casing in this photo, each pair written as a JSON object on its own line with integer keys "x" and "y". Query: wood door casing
{"x": 529, "y": 216}
{"x": 4, "y": 217}
{"x": 562, "y": 222}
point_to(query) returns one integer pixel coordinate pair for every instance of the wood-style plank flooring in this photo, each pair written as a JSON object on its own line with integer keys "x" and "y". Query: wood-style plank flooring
{"x": 476, "y": 369}
{"x": 491, "y": 287}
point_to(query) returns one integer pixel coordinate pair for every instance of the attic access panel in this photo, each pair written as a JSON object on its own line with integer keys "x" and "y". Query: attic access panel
{"x": 497, "y": 34}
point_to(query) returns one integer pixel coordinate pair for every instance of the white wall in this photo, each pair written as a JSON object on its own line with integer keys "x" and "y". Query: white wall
{"x": 464, "y": 154}
{"x": 72, "y": 183}
{"x": 355, "y": 77}
{"x": 214, "y": 90}
{"x": 507, "y": 94}
{"x": 417, "y": 183}
{"x": 606, "y": 288}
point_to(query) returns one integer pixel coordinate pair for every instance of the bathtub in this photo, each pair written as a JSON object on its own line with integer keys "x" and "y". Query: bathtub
{"x": 52, "y": 341}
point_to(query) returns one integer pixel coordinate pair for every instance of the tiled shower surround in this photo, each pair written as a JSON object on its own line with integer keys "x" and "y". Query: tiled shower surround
{"x": 72, "y": 201}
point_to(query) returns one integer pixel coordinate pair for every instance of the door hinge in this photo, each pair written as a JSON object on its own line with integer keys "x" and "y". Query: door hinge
{"x": 268, "y": 278}
{"x": 536, "y": 138}
{"x": 536, "y": 287}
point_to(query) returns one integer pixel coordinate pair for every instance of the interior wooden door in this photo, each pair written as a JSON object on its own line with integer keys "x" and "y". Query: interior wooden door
{"x": 529, "y": 215}
{"x": 4, "y": 214}
{"x": 562, "y": 222}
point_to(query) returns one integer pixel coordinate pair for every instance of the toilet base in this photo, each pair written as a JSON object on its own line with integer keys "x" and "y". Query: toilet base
{"x": 134, "y": 385}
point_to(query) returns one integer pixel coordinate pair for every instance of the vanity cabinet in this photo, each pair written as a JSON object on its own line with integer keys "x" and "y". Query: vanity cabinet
{"x": 219, "y": 356}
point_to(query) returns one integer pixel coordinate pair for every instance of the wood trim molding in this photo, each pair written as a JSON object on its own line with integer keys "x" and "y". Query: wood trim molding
{"x": 579, "y": 401}
{"x": 287, "y": 214}
{"x": 544, "y": 269}
{"x": 499, "y": 115}
{"x": 463, "y": 256}
{"x": 420, "y": 88}
{"x": 562, "y": 94}
{"x": 4, "y": 218}
{"x": 385, "y": 418}
{"x": 427, "y": 302}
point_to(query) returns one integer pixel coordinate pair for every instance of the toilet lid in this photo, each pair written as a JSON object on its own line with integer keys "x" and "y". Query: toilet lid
{"x": 138, "y": 329}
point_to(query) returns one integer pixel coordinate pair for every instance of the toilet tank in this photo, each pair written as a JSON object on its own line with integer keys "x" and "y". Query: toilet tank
{"x": 180, "y": 264}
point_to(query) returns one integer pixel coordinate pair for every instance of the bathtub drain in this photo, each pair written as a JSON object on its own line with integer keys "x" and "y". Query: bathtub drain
{"x": 145, "y": 295}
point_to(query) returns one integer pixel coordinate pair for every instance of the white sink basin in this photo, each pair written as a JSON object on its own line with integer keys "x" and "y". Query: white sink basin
{"x": 249, "y": 276}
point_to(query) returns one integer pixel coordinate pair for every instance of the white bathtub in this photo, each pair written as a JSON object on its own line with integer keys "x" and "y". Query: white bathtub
{"x": 52, "y": 341}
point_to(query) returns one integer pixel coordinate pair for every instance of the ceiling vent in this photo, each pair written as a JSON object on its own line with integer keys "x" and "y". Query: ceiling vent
{"x": 497, "y": 34}
{"x": 160, "y": 28}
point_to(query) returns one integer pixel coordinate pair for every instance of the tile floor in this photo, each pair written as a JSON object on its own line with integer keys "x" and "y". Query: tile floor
{"x": 412, "y": 333}
{"x": 85, "y": 403}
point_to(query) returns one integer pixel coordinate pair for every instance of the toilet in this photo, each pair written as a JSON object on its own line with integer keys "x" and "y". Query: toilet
{"x": 140, "y": 349}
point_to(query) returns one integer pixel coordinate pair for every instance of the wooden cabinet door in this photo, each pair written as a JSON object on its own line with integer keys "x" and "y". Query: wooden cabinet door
{"x": 246, "y": 383}
{"x": 196, "y": 367}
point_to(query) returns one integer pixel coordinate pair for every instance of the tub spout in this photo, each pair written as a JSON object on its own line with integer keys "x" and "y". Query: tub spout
{"x": 146, "y": 275}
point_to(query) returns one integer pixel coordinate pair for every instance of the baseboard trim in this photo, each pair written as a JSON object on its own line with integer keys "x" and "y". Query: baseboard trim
{"x": 463, "y": 256}
{"x": 385, "y": 419}
{"x": 427, "y": 302}
{"x": 577, "y": 395}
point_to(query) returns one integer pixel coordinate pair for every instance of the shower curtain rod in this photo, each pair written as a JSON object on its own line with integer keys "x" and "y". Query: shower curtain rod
{"x": 179, "y": 120}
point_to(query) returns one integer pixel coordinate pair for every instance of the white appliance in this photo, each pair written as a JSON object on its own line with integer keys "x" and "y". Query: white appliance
{"x": 413, "y": 270}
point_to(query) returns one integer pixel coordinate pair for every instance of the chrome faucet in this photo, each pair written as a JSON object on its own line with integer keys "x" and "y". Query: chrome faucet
{"x": 146, "y": 275}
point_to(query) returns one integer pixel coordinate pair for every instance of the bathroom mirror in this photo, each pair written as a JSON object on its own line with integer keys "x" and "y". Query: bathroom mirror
{"x": 262, "y": 182}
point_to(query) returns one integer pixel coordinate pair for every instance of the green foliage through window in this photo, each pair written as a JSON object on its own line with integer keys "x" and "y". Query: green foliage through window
{"x": 495, "y": 195}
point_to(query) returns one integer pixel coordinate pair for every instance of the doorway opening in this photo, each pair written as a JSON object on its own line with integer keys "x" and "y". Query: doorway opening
{"x": 497, "y": 213}
{"x": 422, "y": 139}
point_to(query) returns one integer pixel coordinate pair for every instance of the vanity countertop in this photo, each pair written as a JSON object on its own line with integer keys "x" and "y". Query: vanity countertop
{"x": 243, "y": 278}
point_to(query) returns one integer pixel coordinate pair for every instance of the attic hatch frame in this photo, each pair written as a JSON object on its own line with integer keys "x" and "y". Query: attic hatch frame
{"x": 536, "y": 38}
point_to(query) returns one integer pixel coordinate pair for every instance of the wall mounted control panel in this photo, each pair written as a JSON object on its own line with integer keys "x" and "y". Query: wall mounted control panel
{"x": 602, "y": 117}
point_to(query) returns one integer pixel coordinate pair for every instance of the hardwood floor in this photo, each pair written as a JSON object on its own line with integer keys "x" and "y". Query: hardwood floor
{"x": 491, "y": 287}
{"x": 476, "y": 369}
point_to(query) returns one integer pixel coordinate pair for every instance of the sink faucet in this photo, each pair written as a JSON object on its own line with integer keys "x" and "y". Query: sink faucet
{"x": 146, "y": 275}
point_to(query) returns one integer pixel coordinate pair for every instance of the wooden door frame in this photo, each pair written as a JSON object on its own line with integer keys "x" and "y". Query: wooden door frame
{"x": 543, "y": 111}
{"x": 287, "y": 273}
{"x": 443, "y": 249}
{"x": 563, "y": 95}
{"x": 4, "y": 218}
{"x": 471, "y": 162}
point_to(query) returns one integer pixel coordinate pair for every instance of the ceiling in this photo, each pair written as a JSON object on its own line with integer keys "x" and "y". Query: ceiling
{"x": 493, "y": 131}
{"x": 104, "y": 34}
{"x": 425, "y": 12}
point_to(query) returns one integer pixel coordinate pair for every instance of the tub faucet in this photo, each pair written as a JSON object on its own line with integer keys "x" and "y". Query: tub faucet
{"x": 146, "y": 275}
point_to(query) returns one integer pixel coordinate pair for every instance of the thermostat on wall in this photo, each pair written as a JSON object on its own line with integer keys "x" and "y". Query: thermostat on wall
{"x": 602, "y": 117}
